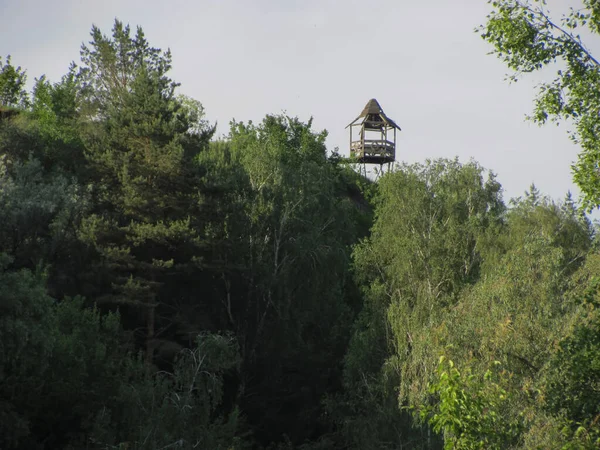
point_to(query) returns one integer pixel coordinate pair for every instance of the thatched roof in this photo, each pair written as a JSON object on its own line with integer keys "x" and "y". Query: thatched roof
{"x": 371, "y": 110}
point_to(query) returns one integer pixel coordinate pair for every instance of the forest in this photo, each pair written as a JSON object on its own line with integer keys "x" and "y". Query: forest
{"x": 164, "y": 289}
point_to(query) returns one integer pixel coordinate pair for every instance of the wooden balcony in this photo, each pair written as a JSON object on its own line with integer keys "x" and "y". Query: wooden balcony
{"x": 373, "y": 151}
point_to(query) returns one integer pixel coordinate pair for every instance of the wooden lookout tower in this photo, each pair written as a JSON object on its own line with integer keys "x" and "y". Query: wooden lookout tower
{"x": 373, "y": 136}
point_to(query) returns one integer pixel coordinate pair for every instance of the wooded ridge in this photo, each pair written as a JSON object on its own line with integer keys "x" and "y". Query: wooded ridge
{"x": 160, "y": 288}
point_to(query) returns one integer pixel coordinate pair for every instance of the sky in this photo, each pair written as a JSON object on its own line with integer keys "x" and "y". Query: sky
{"x": 325, "y": 59}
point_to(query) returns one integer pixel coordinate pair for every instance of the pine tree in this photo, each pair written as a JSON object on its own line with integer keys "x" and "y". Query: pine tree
{"x": 141, "y": 143}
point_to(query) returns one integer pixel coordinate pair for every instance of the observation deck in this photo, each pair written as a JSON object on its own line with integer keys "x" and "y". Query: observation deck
{"x": 376, "y": 133}
{"x": 373, "y": 151}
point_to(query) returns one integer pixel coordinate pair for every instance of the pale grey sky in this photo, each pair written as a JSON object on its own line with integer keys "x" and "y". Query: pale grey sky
{"x": 325, "y": 58}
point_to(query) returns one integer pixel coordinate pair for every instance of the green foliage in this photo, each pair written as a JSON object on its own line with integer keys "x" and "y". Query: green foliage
{"x": 49, "y": 131}
{"x": 119, "y": 240}
{"x": 521, "y": 307}
{"x": 515, "y": 313}
{"x": 527, "y": 38}
{"x": 70, "y": 359}
{"x": 177, "y": 409}
{"x": 52, "y": 358}
{"x": 422, "y": 251}
{"x": 448, "y": 269}
{"x": 254, "y": 292}
{"x": 469, "y": 412}
{"x": 25, "y": 348}
{"x": 146, "y": 226}
{"x": 39, "y": 218}
{"x": 573, "y": 372}
{"x": 38, "y": 212}
{"x": 112, "y": 67}
{"x": 54, "y": 125}
{"x": 12, "y": 85}
{"x": 283, "y": 225}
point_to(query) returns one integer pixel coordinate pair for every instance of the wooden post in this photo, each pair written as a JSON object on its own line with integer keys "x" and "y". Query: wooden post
{"x": 394, "y": 142}
{"x": 351, "y": 126}
{"x": 362, "y": 139}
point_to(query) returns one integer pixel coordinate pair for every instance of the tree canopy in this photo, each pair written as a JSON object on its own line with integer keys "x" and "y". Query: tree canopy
{"x": 527, "y": 38}
{"x": 160, "y": 288}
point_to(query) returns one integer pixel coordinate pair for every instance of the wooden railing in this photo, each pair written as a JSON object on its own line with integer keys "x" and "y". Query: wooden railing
{"x": 372, "y": 148}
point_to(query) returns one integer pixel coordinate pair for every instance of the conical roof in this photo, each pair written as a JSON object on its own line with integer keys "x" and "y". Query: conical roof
{"x": 374, "y": 108}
